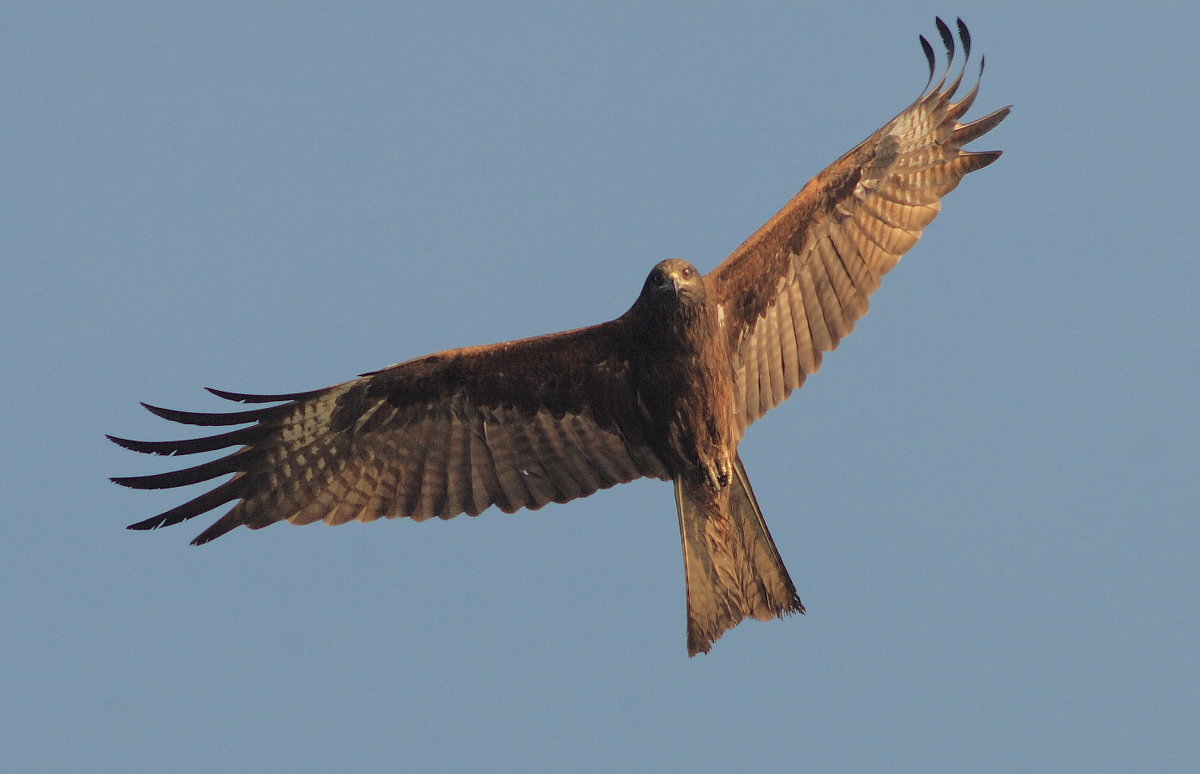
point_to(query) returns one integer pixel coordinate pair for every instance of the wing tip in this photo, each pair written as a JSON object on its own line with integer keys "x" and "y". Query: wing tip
{"x": 232, "y": 519}
{"x": 964, "y": 35}
{"x": 218, "y": 418}
{"x": 948, "y": 43}
{"x": 965, "y": 133}
{"x": 125, "y": 443}
{"x": 929, "y": 57}
{"x": 164, "y": 448}
{"x": 132, "y": 482}
{"x": 248, "y": 397}
{"x": 977, "y": 160}
{"x": 208, "y": 535}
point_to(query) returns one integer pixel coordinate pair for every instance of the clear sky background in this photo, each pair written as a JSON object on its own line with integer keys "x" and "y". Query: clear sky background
{"x": 988, "y": 497}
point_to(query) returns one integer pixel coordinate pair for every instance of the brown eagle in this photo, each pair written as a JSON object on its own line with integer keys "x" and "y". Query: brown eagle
{"x": 665, "y": 391}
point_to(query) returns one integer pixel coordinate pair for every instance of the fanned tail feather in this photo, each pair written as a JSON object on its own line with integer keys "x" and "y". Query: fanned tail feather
{"x": 732, "y": 568}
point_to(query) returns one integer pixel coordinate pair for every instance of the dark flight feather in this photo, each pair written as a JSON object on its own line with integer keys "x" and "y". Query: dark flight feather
{"x": 664, "y": 391}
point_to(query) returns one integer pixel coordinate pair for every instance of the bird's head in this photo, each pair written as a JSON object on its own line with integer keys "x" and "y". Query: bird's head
{"x": 675, "y": 277}
{"x": 674, "y": 292}
{"x": 673, "y": 309}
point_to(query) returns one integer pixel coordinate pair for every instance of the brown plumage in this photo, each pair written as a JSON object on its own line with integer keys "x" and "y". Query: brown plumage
{"x": 665, "y": 391}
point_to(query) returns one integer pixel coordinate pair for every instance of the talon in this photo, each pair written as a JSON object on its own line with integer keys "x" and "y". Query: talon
{"x": 717, "y": 473}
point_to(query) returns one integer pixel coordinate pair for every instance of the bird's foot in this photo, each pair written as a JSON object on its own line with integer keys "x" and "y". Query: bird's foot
{"x": 717, "y": 471}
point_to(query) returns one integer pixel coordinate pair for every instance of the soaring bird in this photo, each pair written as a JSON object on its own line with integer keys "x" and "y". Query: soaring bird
{"x": 664, "y": 391}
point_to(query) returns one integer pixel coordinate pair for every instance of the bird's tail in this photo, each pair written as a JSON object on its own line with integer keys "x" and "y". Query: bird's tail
{"x": 732, "y": 567}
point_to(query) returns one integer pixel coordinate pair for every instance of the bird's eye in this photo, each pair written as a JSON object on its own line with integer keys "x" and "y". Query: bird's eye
{"x": 686, "y": 273}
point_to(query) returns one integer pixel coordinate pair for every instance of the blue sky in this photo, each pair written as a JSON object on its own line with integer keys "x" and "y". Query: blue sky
{"x": 988, "y": 497}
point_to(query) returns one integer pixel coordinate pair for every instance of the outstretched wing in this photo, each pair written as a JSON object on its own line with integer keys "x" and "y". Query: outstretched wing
{"x": 791, "y": 291}
{"x": 515, "y": 425}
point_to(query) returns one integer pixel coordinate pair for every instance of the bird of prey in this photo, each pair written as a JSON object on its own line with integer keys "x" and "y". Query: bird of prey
{"x": 664, "y": 391}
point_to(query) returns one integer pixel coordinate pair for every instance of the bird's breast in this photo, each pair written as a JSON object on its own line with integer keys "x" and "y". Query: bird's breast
{"x": 685, "y": 393}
